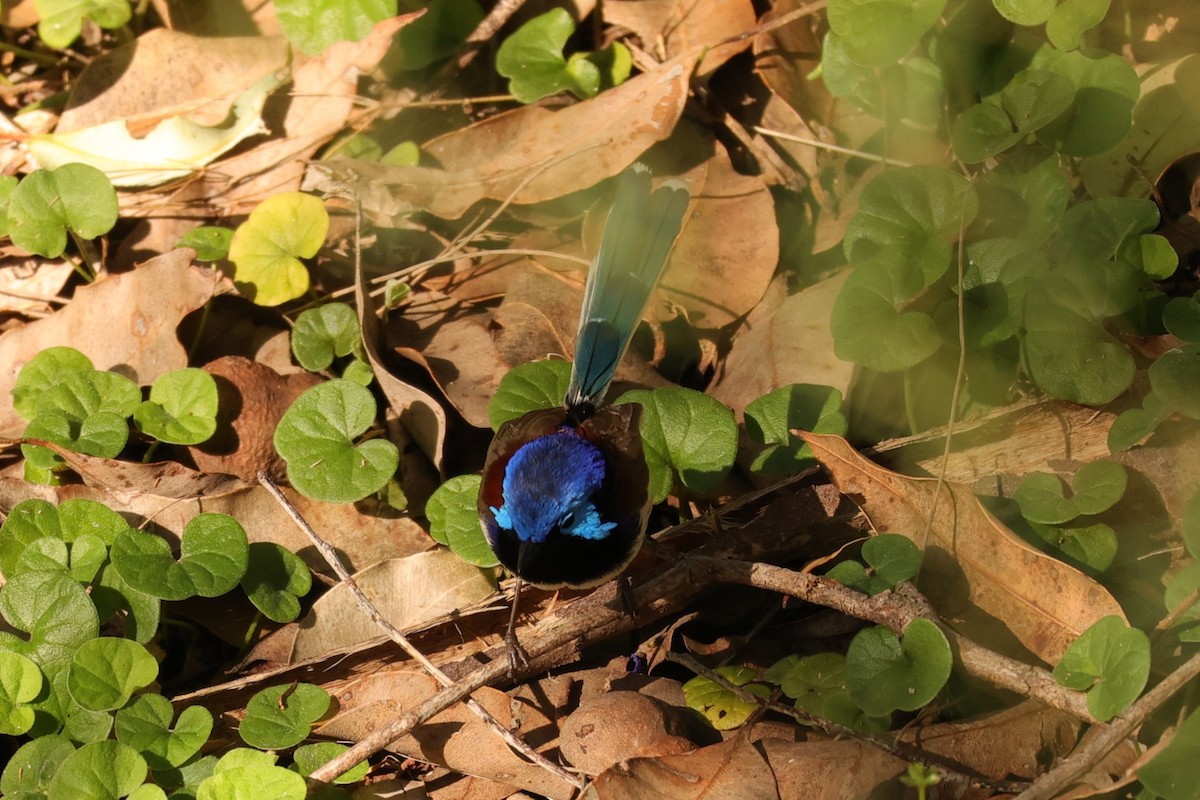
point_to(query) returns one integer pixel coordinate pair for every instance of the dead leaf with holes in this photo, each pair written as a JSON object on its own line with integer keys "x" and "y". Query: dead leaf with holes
{"x": 979, "y": 575}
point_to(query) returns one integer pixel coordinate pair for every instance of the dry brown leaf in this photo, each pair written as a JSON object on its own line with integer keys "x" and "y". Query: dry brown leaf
{"x": 732, "y": 770}
{"x": 141, "y": 82}
{"x": 671, "y": 28}
{"x": 785, "y": 340}
{"x": 530, "y": 154}
{"x": 830, "y": 770}
{"x": 454, "y": 738}
{"x": 121, "y": 322}
{"x": 980, "y": 576}
{"x": 616, "y": 726}
{"x": 407, "y": 591}
{"x": 28, "y": 284}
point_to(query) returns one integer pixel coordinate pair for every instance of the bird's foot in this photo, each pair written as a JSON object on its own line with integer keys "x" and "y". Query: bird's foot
{"x": 518, "y": 659}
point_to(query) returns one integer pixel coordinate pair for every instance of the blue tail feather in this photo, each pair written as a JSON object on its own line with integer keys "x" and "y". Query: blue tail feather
{"x": 638, "y": 235}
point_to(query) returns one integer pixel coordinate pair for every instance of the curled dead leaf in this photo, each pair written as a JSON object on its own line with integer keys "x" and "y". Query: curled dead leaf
{"x": 616, "y": 726}
{"x": 979, "y": 575}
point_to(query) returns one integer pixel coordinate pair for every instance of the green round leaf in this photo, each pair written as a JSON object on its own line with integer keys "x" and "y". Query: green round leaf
{"x": 266, "y": 249}
{"x": 1171, "y": 774}
{"x": 314, "y": 25}
{"x": 62, "y": 20}
{"x": 1025, "y": 12}
{"x": 894, "y": 558}
{"x": 1111, "y": 662}
{"x": 212, "y": 559}
{"x": 42, "y": 372}
{"x": 98, "y": 771}
{"x": 359, "y": 372}
{"x": 48, "y": 203}
{"x": 532, "y": 60}
{"x": 1100, "y": 115}
{"x": 253, "y": 783}
{"x": 1180, "y": 587}
{"x": 1098, "y": 486}
{"x": 105, "y": 673}
{"x": 28, "y": 521}
{"x": 723, "y": 709}
{"x": 454, "y": 520}
{"x": 275, "y": 580}
{"x": 102, "y": 434}
{"x": 1041, "y": 499}
{"x": 20, "y": 684}
{"x": 112, "y": 594}
{"x": 311, "y": 757}
{"x": 182, "y": 408}
{"x": 1093, "y": 545}
{"x": 211, "y": 242}
{"x": 981, "y": 132}
{"x": 1069, "y": 21}
{"x": 1159, "y": 259}
{"x": 1074, "y": 359}
{"x": 316, "y": 438}
{"x": 1181, "y": 316}
{"x": 83, "y": 392}
{"x": 56, "y": 613}
{"x": 282, "y": 716}
{"x": 1034, "y": 98}
{"x": 528, "y": 387}
{"x": 145, "y": 725}
{"x": 878, "y": 34}
{"x": 1175, "y": 379}
{"x": 684, "y": 433}
{"x": 323, "y": 333}
{"x": 817, "y": 684}
{"x": 34, "y": 764}
{"x": 771, "y": 418}
{"x": 885, "y": 672}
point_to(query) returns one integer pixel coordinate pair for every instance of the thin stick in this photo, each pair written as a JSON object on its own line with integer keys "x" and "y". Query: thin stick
{"x": 363, "y": 602}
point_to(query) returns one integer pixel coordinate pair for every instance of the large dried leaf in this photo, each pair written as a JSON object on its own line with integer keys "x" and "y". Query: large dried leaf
{"x": 680, "y": 28}
{"x": 979, "y": 575}
{"x": 732, "y": 770}
{"x": 125, "y": 321}
{"x": 531, "y": 154}
{"x": 841, "y": 770}
{"x": 407, "y": 591}
{"x": 785, "y": 340}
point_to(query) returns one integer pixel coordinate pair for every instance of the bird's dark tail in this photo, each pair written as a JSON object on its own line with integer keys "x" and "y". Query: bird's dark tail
{"x": 638, "y": 236}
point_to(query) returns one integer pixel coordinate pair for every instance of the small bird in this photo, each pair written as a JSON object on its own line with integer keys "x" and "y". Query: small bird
{"x": 565, "y": 494}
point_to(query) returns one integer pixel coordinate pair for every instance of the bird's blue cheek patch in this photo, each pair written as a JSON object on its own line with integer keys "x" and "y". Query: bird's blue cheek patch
{"x": 502, "y": 518}
{"x": 585, "y": 523}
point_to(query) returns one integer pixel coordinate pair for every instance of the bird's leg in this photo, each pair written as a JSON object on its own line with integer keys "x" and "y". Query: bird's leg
{"x": 518, "y": 659}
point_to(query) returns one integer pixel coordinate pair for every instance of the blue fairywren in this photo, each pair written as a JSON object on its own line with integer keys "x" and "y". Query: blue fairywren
{"x": 565, "y": 494}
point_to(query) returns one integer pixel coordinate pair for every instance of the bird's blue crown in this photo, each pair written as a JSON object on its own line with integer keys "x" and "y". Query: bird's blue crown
{"x": 549, "y": 485}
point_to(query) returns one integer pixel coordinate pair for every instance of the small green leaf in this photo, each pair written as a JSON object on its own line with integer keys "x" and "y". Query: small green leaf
{"x": 324, "y": 333}
{"x": 275, "y": 580}
{"x": 1092, "y": 545}
{"x": 1106, "y": 88}
{"x": 817, "y": 684}
{"x": 454, "y": 520}
{"x": 62, "y": 20}
{"x": 98, "y": 771}
{"x": 1041, "y": 499}
{"x": 1131, "y": 426}
{"x": 1025, "y": 12}
{"x": 1073, "y": 358}
{"x": 253, "y": 783}
{"x": 213, "y": 557}
{"x": 182, "y": 408}
{"x": 282, "y": 716}
{"x": 316, "y": 438}
{"x": 105, "y": 673}
{"x": 102, "y": 434}
{"x": 1071, "y": 19}
{"x": 20, "y": 684}
{"x": 266, "y": 249}
{"x": 112, "y": 594}
{"x": 314, "y": 25}
{"x": 1175, "y": 379}
{"x": 1158, "y": 257}
{"x": 1181, "y": 316}
{"x": 982, "y": 131}
{"x": 1098, "y": 486}
{"x": 1171, "y": 774}
{"x": 878, "y": 34}
{"x": 359, "y": 372}
{"x": 33, "y": 765}
{"x": 42, "y": 372}
{"x": 1035, "y": 98}
{"x": 723, "y": 709}
{"x": 145, "y": 725}
{"x": 28, "y": 521}
{"x": 532, "y": 60}
{"x": 311, "y": 757}
{"x": 48, "y": 203}
{"x": 1180, "y": 586}
{"x": 684, "y": 433}
{"x": 528, "y": 387}
{"x": 211, "y": 242}
{"x": 56, "y": 614}
{"x": 893, "y": 557}
{"x": 1111, "y": 662}
{"x": 885, "y": 672}
{"x": 770, "y": 419}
